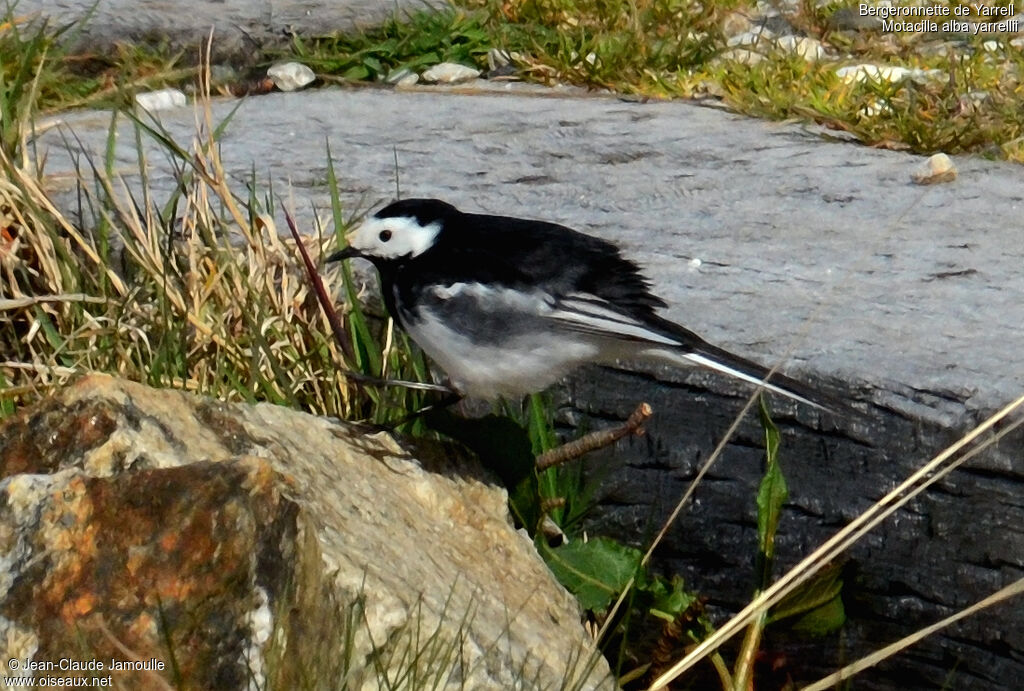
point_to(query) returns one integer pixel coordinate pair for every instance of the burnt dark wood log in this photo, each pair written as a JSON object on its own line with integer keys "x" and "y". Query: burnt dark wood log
{"x": 954, "y": 544}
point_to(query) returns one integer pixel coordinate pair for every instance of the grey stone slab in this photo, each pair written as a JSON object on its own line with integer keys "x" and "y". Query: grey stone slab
{"x": 905, "y": 298}
{"x": 240, "y": 27}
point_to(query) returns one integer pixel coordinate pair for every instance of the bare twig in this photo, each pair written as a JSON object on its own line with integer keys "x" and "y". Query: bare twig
{"x": 321, "y": 292}
{"x": 596, "y": 440}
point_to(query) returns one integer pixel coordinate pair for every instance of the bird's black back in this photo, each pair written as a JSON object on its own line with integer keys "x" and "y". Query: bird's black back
{"x": 521, "y": 254}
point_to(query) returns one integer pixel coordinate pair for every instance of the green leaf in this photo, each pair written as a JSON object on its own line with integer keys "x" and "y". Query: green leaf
{"x": 823, "y": 620}
{"x": 500, "y": 442}
{"x": 542, "y": 433}
{"x": 356, "y": 72}
{"x": 595, "y": 571}
{"x": 364, "y": 344}
{"x": 373, "y": 66}
{"x": 820, "y": 591}
{"x": 669, "y": 599}
{"x": 526, "y": 505}
{"x": 6, "y": 404}
{"x": 772, "y": 493}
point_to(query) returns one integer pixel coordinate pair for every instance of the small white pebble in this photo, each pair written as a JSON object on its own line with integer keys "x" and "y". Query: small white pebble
{"x": 407, "y": 81}
{"x": 290, "y": 76}
{"x": 885, "y": 73}
{"x": 152, "y": 101}
{"x": 742, "y": 56}
{"x": 938, "y": 168}
{"x": 749, "y": 38}
{"x": 809, "y": 49}
{"x": 449, "y": 73}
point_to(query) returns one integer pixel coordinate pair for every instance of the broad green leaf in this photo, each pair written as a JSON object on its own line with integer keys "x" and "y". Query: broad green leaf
{"x": 824, "y": 588}
{"x": 595, "y": 571}
{"x": 356, "y": 72}
{"x": 374, "y": 66}
{"x": 823, "y": 620}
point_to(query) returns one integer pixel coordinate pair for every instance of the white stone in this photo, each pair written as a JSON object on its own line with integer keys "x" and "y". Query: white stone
{"x": 865, "y": 72}
{"x": 152, "y": 101}
{"x": 809, "y": 49}
{"x": 290, "y": 76}
{"x": 750, "y": 38}
{"x": 735, "y": 23}
{"x": 938, "y": 168}
{"x": 885, "y": 73}
{"x": 407, "y": 81}
{"x": 742, "y": 56}
{"x": 449, "y": 73}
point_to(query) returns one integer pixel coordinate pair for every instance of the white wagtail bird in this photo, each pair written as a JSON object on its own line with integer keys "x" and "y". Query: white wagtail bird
{"x": 508, "y": 306}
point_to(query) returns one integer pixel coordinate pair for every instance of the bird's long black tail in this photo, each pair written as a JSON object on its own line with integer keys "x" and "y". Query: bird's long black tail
{"x": 720, "y": 360}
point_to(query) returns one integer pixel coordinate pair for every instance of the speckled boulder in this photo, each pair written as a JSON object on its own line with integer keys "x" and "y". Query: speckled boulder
{"x": 216, "y": 545}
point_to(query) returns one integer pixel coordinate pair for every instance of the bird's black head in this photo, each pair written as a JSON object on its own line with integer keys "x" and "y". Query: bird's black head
{"x": 401, "y": 230}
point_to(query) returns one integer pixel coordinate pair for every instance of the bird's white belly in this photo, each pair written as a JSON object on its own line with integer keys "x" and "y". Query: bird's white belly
{"x": 523, "y": 364}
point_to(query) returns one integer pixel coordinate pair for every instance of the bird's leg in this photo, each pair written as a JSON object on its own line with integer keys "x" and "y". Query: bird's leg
{"x": 450, "y": 398}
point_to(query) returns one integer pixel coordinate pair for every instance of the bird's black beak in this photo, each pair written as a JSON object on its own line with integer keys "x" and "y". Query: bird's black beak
{"x": 347, "y": 253}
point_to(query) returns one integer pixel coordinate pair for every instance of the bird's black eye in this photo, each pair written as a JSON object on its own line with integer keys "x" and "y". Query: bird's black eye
{"x": 385, "y": 235}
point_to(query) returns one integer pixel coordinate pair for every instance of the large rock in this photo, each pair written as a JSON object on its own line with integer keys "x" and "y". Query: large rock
{"x": 223, "y": 546}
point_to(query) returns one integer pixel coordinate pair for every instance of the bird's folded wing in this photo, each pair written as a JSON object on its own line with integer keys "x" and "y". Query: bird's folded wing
{"x": 674, "y": 344}
{"x": 590, "y": 314}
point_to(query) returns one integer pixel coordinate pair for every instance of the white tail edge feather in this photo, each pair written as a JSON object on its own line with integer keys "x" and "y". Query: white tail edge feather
{"x": 683, "y": 358}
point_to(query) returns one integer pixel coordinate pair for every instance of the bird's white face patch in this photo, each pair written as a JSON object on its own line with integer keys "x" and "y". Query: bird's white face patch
{"x": 393, "y": 238}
